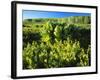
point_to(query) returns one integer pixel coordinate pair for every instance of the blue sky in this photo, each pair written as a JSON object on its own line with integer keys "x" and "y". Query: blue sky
{"x": 30, "y": 14}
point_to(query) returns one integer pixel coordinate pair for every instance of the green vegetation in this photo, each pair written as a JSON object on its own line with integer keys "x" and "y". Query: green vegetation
{"x": 56, "y": 42}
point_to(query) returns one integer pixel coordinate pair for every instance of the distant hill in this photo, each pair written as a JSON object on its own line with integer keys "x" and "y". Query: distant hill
{"x": 72, "y": 19}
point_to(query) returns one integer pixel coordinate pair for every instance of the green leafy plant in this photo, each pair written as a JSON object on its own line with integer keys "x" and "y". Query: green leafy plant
{"x": 56, "y": 42}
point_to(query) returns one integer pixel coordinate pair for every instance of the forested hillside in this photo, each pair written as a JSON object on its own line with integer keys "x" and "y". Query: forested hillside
{"x": 56, "y": 42}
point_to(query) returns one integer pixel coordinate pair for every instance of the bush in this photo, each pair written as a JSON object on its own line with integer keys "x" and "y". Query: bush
{"x": 53, "y": 43}
{"x": 46, "y": 55}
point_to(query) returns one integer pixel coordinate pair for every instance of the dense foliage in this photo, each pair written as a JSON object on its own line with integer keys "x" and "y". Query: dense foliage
{"x": 56, "y": 42}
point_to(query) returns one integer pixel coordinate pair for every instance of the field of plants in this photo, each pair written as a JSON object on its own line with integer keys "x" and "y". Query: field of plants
{"x": 57, "y": 42}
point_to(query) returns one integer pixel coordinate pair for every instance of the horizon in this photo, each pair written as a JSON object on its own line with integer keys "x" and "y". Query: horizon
{"x": 31, "y": 14}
